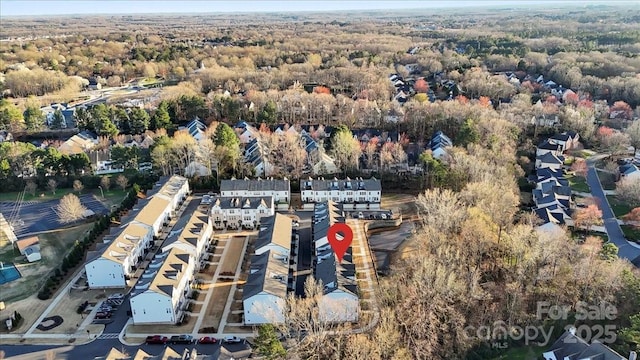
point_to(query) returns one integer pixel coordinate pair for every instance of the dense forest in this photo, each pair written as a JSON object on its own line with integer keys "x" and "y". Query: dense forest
{"x": 476, "y": 258}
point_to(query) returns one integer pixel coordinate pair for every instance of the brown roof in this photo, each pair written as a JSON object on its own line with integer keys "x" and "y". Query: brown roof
{"x": 170, "y": 273}
{"x": 25, "y": 243}
{"x": 128, "y": 239}
{"x": 152, "y": 210}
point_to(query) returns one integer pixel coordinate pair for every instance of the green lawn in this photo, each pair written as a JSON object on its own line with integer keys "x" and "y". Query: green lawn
{"x": 619, "y": 208}
{"x": 522, "y": 353}
{"x": 632, "y": 233}
{"x": 578, "y": 183}
{"x": 112, "y": 196}
{"x": 608, "y": 180}
{"x": 46, "y": 195}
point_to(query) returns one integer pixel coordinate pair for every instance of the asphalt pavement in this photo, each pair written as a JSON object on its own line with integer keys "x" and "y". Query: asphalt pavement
{"x": 35, "y": 217}
{"x": 304, "y": 251}
{"x": 625, "y": 249}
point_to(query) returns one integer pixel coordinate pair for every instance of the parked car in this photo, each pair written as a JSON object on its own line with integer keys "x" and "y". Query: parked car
{"x": 383, "y": 216}
{"x": 182, "y": 339}
{"x": 157, "y": 339}
{"x": 360, "y": 215}
{"x": 103, "y": 315}
{"x": 105, "y": 308}
{"x": 232, "y": 340}
{"x": 117, "y": 296}
{"x": 207, "y": 340}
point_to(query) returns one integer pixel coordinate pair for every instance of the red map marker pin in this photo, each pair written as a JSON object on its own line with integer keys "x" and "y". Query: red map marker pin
{"x": 340, "y": 246}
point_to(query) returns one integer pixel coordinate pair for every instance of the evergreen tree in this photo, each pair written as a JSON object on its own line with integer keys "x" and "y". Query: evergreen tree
{"x": 139, "y": 120}
{"x": 58, "y": 120}
{"x": 33, "y": 118}
{"x": 161, "y": 119}
{"x": 267, "y": 343}
{"x": 225, "y": 136}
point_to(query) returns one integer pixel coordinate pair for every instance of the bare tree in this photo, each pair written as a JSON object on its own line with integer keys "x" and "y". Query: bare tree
{"x": 31, "y": 187}
{"x": 77, "y": 186}
{"x": 52, "y": 185}
{"x": 70, "y": 209}
{"x": 629, "y": 191}
{"x": 105, "y": 182}
{"x": 122, "y": 181}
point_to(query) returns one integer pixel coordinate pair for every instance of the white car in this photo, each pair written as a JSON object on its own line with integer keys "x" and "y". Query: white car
{"x": 232, "y": 339}
{"x": 117, "y": 296}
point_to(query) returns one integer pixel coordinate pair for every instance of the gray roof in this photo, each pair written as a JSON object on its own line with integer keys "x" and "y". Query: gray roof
{"x": 332, "y": 275}
{"x": 276, "y": 229}
{"x": 237, "y": 202}
{"x": 549, "y": 158}
{"x": 573, "y": 347}
{"x": 255, "y": 185}
{"x": 264, "y": 269}
{"x": 338, "y": 184}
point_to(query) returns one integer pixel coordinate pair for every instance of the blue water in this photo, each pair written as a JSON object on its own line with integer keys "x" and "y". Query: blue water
{"x": 9, "y": 273}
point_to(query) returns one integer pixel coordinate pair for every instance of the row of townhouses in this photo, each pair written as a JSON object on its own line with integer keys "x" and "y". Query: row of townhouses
{"x": 339, "y": 301}
{"x": 270, "y": 276}
{"x": 117, "y": 258}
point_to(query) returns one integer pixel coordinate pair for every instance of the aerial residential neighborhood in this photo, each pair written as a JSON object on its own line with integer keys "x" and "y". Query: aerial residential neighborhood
{"x": 300, "y": 180}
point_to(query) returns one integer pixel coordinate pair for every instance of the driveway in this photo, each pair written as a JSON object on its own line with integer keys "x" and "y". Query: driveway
{"x": 616, "y": 236}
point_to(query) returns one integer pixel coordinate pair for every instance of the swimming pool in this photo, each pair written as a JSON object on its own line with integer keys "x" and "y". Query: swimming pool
{"x": 8, "y": 272}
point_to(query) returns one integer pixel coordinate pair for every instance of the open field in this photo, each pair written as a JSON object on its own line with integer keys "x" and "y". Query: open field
{"x": 403, "y": 203}
{"x": 54, "y": 245}
{"x": 607, "y": 179}
{"x": 632, "y": 233}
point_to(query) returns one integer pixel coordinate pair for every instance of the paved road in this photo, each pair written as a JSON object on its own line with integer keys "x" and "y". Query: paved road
{"x": 40, "y": 216}
{"x": 304, "y": 251}
{"x": 616, "y": 236}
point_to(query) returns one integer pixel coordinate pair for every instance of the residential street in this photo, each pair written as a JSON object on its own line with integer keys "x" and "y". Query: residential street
{"x": 625, "y": 249}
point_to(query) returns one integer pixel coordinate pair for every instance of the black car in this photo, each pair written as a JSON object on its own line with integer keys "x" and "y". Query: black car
{"x": 182, "y": 339}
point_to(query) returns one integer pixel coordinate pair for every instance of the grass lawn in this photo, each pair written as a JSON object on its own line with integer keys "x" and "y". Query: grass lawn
{"x": 608, "y": 180}
{"x": 578, "y": 183}
{"x": 54, "y": 245}
{"x": 619, "y": 208}
{"x": 46, "y": 195}
{"x": 632, "y": 233}
{"x": 112, "y": 196}
{"x": 522, "y": 353}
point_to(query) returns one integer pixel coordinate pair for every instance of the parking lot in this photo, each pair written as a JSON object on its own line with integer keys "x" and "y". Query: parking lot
{"x": 35, "y": 217}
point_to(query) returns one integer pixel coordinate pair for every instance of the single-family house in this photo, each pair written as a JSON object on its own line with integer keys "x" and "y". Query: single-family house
{"x": 161, "y": 294}
{"x": 79, "y": 143}
{"x": 265, "y": 292}
{"x": 282, "y": 129}
{"x": 94, "y": 83}
{"x": 567, "y": 140}
{"x": 280, "y": 190}
{"x": 111, "y": 265}
{"x": 324, "y": 164}
{"x": 30, "y": 248}
{"x": 353, "y": 194}
{"x": 549, "y": 160}
{"x": 235, "y": 212}
{"x": 629, "y": 172}
{"x": 571, "y": 346}
{"x": 246, "y": 133}
{"x": 196, "y": 129}
{"x": 439, "y": 144}
{"x": 547, "y": 147}
{"x": 101, "y": 162}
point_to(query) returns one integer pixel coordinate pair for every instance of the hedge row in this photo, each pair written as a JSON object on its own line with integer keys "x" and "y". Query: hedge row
{"x": 77, "y": 254}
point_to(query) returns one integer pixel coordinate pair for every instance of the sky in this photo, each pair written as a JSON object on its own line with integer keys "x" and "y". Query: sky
{"x": 55, "y": 7}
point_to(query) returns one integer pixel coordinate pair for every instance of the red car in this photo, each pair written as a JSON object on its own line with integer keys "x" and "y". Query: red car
{"x": 207, "y": 340}
{"x": 157, "y": 339}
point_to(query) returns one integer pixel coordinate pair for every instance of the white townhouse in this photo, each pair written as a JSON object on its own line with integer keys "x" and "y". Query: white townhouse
{"x": 275, "y": 236}
{"x": 160, "y": 296}
{"x": 353, "y": 194}
{"x": 235, "y": 212}
{"x": 160, "y": 204}
{"x": 339, "y": 302}
{"x": 192, "y": 235}
{"x": 112, "y": 266}
{"x": 280, "y": 190}
{"x": 265, "y": 292}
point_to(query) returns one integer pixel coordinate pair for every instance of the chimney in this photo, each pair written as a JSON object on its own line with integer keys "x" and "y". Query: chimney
{"x": 633, "y": 355}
